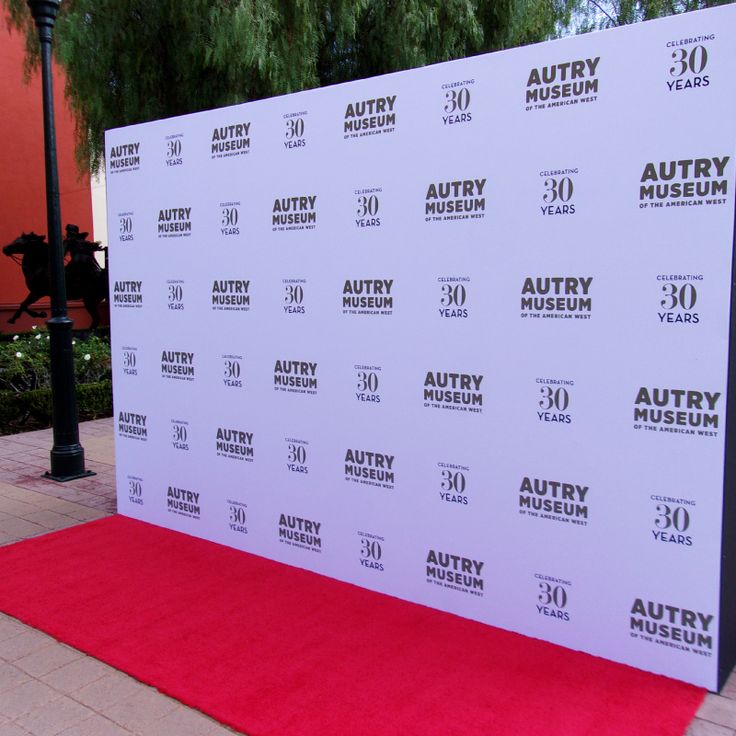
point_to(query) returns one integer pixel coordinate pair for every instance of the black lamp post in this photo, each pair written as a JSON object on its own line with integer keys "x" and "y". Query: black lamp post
{"x": 67, "y": 455}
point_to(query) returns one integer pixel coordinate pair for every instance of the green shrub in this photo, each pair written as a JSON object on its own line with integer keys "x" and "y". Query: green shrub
{"x": 25, "y": 380}
{"x": 32, "y": 409}
{"x": 25, "y": 362}
{"x": 95, "y": 399}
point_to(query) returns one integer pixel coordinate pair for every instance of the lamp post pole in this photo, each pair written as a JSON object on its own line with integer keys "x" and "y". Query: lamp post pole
{"x": 67, "y": 455}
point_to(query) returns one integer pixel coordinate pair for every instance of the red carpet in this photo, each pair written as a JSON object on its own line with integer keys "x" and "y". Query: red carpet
{"x": 273, "y": 650}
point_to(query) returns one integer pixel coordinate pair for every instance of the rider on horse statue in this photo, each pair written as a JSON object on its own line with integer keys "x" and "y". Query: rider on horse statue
{"x": 85, "y": 279}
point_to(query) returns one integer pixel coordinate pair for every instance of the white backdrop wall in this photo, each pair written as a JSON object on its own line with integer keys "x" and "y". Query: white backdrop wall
{"x": 457, "y": 334}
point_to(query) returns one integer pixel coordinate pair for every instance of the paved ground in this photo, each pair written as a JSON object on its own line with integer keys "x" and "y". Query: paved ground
{"x": 50, "y": 689}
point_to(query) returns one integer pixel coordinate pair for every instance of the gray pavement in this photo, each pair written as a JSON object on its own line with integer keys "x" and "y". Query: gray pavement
{"x": 48, "y": 688}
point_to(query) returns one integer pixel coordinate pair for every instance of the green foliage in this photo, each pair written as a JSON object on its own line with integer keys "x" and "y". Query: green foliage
{"x": 25, "y": 380}
{"x": 597, "y": 14}
{"x": 95, "y": 399}
{"x": 92, "y": 361}
{"x": 130, "y": 61}
{"x": 32, "y": 409}
{"x": 25, "y": 362}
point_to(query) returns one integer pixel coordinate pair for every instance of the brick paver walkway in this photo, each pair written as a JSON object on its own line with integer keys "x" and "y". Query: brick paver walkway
{"x": 50, "y": 689}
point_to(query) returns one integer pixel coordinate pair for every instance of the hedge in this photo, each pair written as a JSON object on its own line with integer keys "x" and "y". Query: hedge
{"x": 18, "y": 410}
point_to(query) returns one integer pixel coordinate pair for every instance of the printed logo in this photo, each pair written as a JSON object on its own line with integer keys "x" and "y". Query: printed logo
{"x": 370, "y": 117}
{"x": 232, "y": 371}
{"x": 294, "y": 213}
{"x": 296, "y": 456}
{"x": 127, "y": 294}
{"x": 370, "y": 468}
{"x": 554, "y": 500}
{"x": 453, "y": 483}
{"x": 125, "y": 157}
{"x": 295, "y": 376}
{"x": 125, "y": 227}
{"x": 229, "y": 218}
{"x": 294, "y": 296}
{"x": 455, "y": 200}
{"x": 677, "y": 410}
{"x": 302, "y": 533}
{"x": 367, "y": 211}
{"x": 230, "y": 140}
{"x": 177, "y": 364}
{"x": 367, "y": 296}
{"x": 295, "y": 130}
{"x": 174, "y": 149}
{"x": 180, "y": 435}
{"x": 130, "y": 361}
{"x": 554, "y": 402}
{"x": 671, "y": 626}
{"x": 132, "y": 426}
{"x": 231, "y": 295}
{"x": 459, "y": 573}
{"x": 371, "y": 551}
{"x": 552, "y": 597}
{"x": 456, "y": 106}
{"x": 679, "y": 296}
{"x": 175, "y": 295}
{"x": 182, "y": 502}
{"x": 569, "y": 83}
{"x": 556, "y": 297}
{"x": 175, "y": 222}
{"x": 454, "y": 294}
{"x": 135, "y": 490}
{"x": 234, "y": 444}
{"x": 688, "y": 64}
{"x": 368, "y": 384}
{"x": 455, "y": 391}
{"x": 558, "y": 192}
{"x": 684, "y": 183}
{"x": 237, "y": 516}
{"x": 672, "y": 520}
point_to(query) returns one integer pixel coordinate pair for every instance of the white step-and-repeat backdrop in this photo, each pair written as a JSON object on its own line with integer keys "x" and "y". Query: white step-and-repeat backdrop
{"x": 457, "y": 334}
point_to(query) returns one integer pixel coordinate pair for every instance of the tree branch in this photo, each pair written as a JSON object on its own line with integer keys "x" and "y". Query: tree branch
{"x": 603, "y": 11}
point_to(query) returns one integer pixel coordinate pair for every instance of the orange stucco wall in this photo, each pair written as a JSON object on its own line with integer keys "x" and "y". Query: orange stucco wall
{"x": 22, "y": 177}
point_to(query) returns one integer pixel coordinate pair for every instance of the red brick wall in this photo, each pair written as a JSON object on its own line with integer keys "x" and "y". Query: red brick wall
{"x": 22, "y": 177}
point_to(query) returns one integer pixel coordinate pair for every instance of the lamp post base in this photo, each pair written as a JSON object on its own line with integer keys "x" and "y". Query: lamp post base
{"x": 67, "y": 463}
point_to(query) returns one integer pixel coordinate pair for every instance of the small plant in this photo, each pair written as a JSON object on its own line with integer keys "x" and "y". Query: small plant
{"x": 25, "y": 361}
{"x": 25, "y": 380}
{"x": 92, "y": 360}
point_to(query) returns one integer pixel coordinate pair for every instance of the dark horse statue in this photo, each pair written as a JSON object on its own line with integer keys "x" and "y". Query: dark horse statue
{"x": 85, "y": 279}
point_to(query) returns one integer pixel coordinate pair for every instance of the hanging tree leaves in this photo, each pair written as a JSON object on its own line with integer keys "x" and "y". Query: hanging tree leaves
{"x": 597, "y": 14}
{"x": 130, "y": 61}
